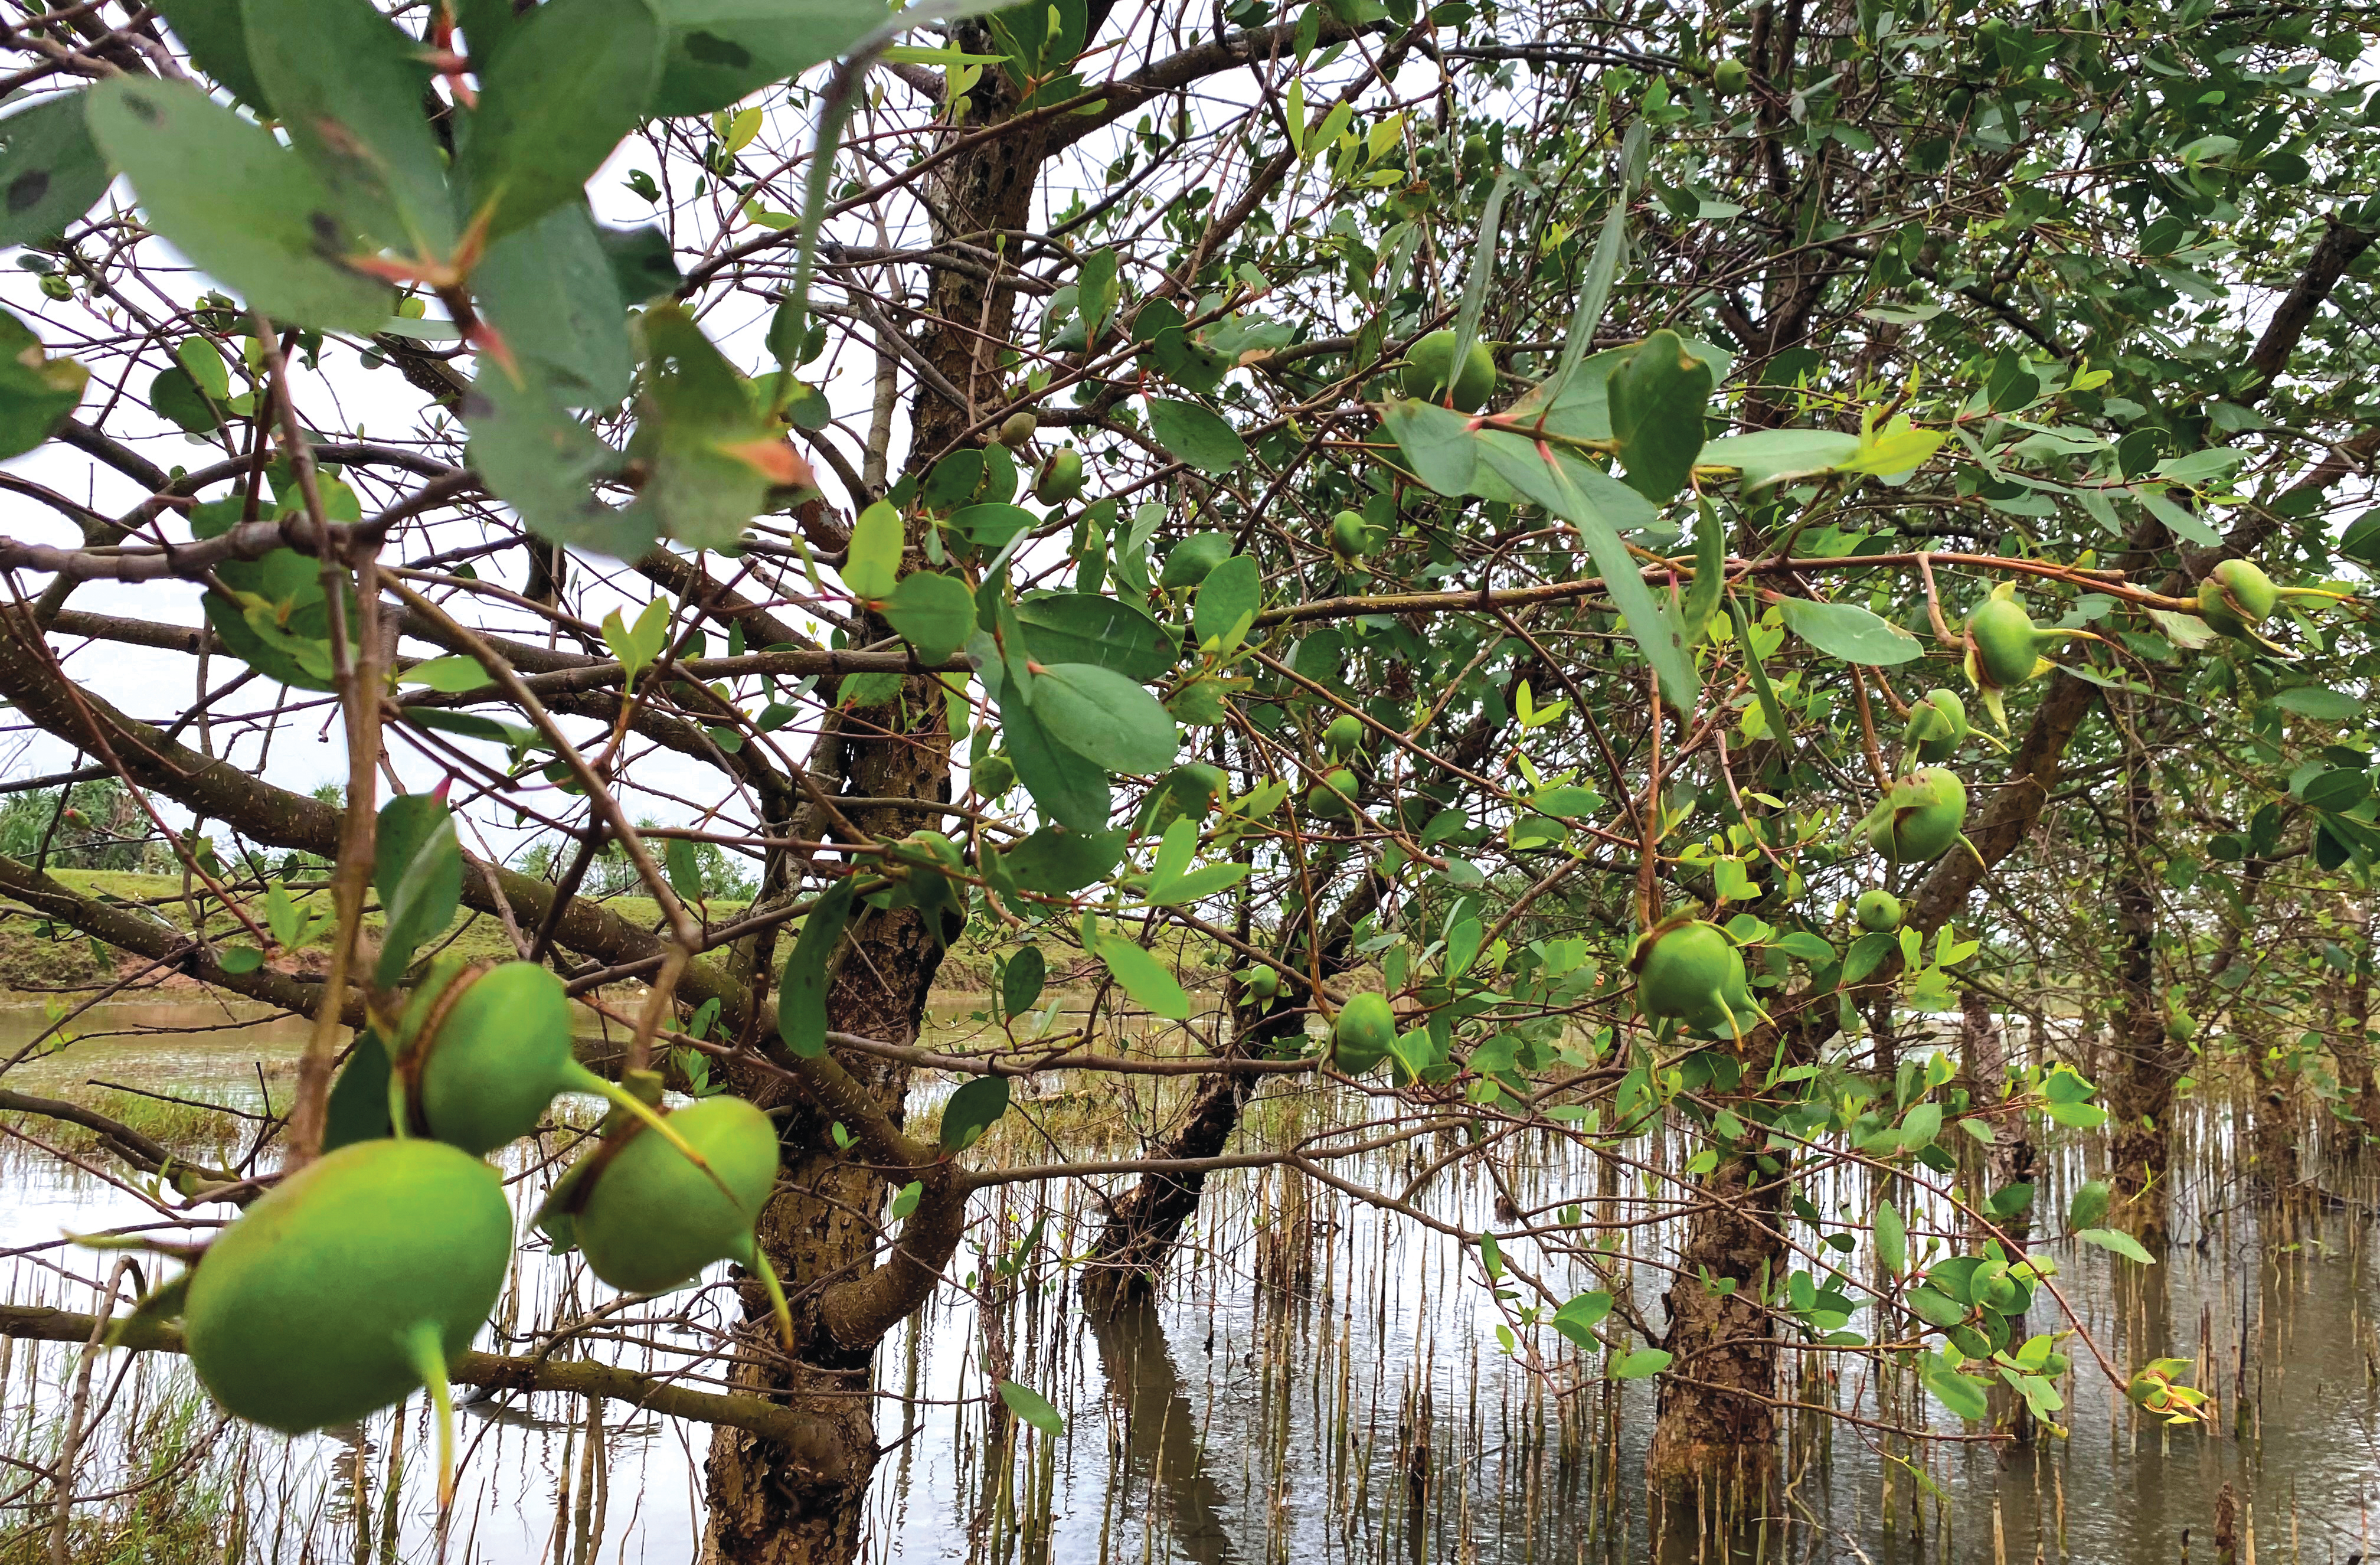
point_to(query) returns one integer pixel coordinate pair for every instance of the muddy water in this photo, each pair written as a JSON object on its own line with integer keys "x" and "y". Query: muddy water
{"x": 1319, "y": 1382}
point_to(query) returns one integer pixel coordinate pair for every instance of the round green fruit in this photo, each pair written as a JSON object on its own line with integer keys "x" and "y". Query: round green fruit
{"x": 1687, "y": 970}
{"x": 1877, "y": 910}
{"x": 1352, "y": 537}
{"x": 1260, "y": 983}
{"x": 2236, "y": 597}
{"x": 1190, "y": 561}
{"x": 1017, "y": 428}
{"x": 1061, "y": 478}
{"x": 651, "y": 1221}
{"x": 1334, "y": 797}
{"x": 993, "y": 775}
{"x": 1731, "y": 77}
{"x": 1362, "y": 1034}
{"x": 2005, "y": 642}
{"x": 1937, "y": 725}
{"x": 1430, "y": 372}
{"x": 331, "y": 1297}
{"x": 1919, "y": 817}
{"x": 494, "y": 1053}
{"x": 1344, "y": 737}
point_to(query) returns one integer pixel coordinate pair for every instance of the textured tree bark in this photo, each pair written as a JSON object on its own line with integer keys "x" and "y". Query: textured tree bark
{"x": 2359, "y": 1091}
{"x": 770, "y": 1503}
{"x": 2140, "y": 1097}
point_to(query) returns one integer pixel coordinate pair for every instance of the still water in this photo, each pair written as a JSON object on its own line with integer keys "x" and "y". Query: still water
{"x": 1320, "y": 1381}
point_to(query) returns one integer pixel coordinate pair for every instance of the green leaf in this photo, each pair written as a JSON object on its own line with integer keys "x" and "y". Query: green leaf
{"x": 1195, "y": 435}
{"x": 801, "y": 989}
{"x": 1564, "y": 488}
{"x": 1580, "y": 1315}
{"x": 245, "y": 209}
{"x": 2087, "y": 1208}
{"x": 1032, "y": 1407}
{"x": 1658, "y": 396}
{"x": 347, "y": 87}
{"x": 240, "y": 959}
{"x": 36, "y": 393}
{"x": 50, "y": 171}
{"x": 1105, "y": 717}
{"x": 1771, "y": 457}
{"x": 871, "y": 567}
{"x": 1641, "y": 1364}
{"x": 1021, "y": 980}
{"x": 719, "y": 51}
{"x": 216, "y": 35}
{"x": 1963, "y": 1394}
{"x": 1056, "y": 862}
{"x": 1848, "y": 631}
{"x": 906, "y": 1200}
{"x": 452, "y": 675}
{"x": 359, "y": 1106}
{"x": 1228, "y": 602}
{"x": 934, "y": 613}
{"x": 1083, "y": 627}
{"x": 2117, "y": 1241}
{"x": 973, "y": 1109}
{"x": 567, "y": 83}
{"x": 1070, "y": 789}
{"x": 2322, "y": 706}
{"x": 1436, "y": 442}
{"x": 417, "y": 872}
{"x": 1891, "y": 1238}
{"x": 682, "y": 863}
{"x": 1144, "y": 977}
{"x": 543, "y": 463}
{"x": 549, "y": 291}
{"x": 704, "y": 485}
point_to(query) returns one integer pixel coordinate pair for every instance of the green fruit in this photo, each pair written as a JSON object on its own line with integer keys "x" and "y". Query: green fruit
{"x": 1334, "y": 797}
{"x": 1430, "y": 372}
{"x": 1919, "y": 817}
{"x": 1352, "y": 537}
{"x": 1261, "y": 983}
{"x": 324, "y": 1301}
{"x": 2181, "y": 1027}
{"x": 1877, "y": 911}
{"x": 1731, "y": 77}
{"x": 1730, "y": 1010}
{"x": 993, "y": 775}
{"x": 1344, "y": 737}
{"x": 1017, "y": 428}
{"x": 2236, "y": 597}
{"x": 492, "y": 1055}
{"x": 649, "y": 1220}
{"x": 1194, "y": 557}
{"x": 2004, "y": 644}
{"x": 1687, "y": 969}
{"x": 1061, "y": 478}
{"x": 56, "y": 286}
{"x": 1365, "y": 1032}
{"x": 1937, "y": 725}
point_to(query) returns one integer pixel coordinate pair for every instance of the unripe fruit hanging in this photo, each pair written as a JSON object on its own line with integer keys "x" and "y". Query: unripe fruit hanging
{"x": 2004, "y": 643}
{"x": 1259, "y": 983}
{"x": 1344, "y": 737}
{"x": 1017, "y": 428}
{"x": 1061, "y": 478}
{"x": 1877, "y": 911}
{"x": 350, "y": 1284}
{"x": 1334, "y": 797}
{"x": 1430, "y": 372}
{"x": 647, "y": 1220}
{"x": 1937, "y": 726}
{"x": 1352, "y": 537}
{"x": 1919, "y": 817}
{"x": 1731, "y": 77}
{"x": 2236, "y": 597}
{"x": 1365, "y": 1032}
{"x": 1693, "y": 972}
